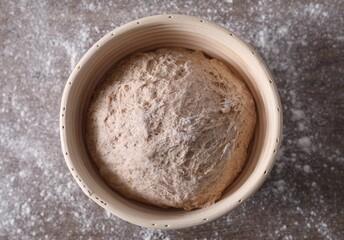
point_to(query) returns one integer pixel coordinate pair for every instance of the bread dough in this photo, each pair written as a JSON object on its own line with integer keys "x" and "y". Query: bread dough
{"x": 170, "y": 128}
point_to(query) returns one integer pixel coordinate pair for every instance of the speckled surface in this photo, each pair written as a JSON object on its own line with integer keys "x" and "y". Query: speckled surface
{"x": 301, "y": 42}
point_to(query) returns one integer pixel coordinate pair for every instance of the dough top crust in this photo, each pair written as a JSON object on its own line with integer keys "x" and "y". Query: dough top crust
{"x": 170, "y": 128}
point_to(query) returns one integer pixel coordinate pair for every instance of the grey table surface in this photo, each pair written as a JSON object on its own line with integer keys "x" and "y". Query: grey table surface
{"x": 302, "y": 42}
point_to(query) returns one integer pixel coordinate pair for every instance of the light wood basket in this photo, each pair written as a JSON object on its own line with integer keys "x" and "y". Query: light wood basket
{"x": 169, "y": 31}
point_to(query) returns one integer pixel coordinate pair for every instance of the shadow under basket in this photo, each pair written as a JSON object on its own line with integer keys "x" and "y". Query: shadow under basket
{"x": 170, "y": 31}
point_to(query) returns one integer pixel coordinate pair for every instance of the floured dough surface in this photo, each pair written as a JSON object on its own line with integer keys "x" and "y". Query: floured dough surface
{"x": 170, "y": 128}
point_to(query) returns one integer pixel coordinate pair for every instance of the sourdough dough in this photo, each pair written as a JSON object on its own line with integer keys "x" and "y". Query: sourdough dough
{"x": 170, "y": 128}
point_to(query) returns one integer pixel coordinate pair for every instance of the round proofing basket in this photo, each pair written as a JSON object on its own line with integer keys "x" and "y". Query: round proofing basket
{"x": 169, "y": 31}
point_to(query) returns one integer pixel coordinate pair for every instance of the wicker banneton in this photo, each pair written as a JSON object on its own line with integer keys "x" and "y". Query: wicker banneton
{"x": 170, "y": 31}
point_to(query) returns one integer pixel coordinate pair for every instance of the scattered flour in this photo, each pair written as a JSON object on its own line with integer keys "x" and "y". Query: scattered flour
{"x": 153, "y": 234}
{"x": 298, "y": 114}
{"x": 304, "y": 143}
{"x": 307, "y": 169}
{"x": 281, "y": 186}
{"x": 42, "y": 42}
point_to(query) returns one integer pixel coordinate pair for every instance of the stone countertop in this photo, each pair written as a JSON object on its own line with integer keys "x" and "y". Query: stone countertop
{"x": 302, "y": 42}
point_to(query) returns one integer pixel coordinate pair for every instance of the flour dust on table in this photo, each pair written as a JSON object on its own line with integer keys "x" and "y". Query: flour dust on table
{"x": 302, "y": 43}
